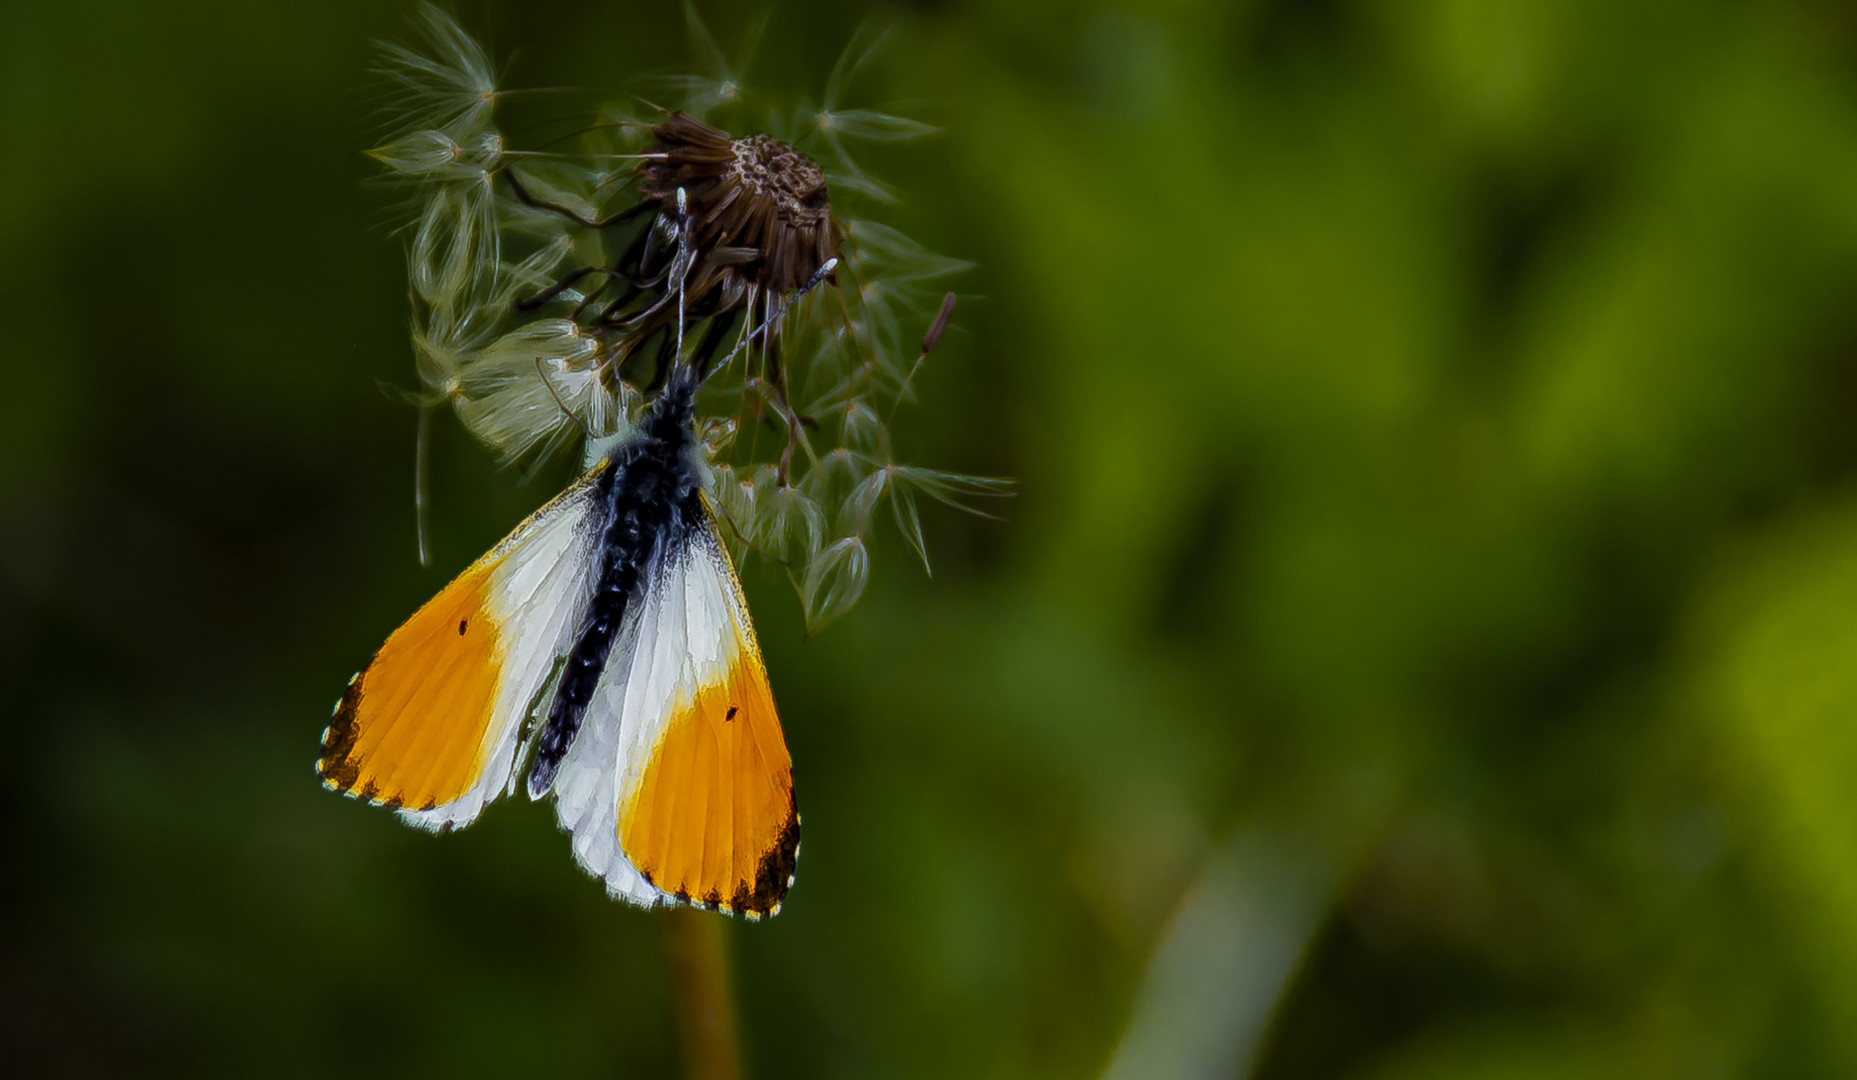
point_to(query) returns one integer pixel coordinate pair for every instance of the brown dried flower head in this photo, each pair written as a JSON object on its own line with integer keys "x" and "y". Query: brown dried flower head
{"x": 555, "y": 286}
{"x": 759, "y": 209}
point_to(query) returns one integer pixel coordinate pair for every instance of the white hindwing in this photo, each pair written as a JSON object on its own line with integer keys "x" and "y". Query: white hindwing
{"x": 684, "y": 629}
{"x": 538, "y": 595}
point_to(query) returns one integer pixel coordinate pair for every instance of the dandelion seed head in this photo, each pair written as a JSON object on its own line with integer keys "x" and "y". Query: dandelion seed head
{"x": 764, "y": 202}
{"x": 554, "y": 284}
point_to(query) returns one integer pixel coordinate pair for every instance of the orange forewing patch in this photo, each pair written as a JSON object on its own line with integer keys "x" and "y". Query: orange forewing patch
{"x": 713, "y": 820}
{"x": 409, "y": 730}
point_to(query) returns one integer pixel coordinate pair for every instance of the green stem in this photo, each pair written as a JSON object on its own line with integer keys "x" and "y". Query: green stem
{"x": 702, "y": 996}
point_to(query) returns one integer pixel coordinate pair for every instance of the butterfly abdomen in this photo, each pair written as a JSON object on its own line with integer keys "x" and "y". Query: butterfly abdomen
{"x": 649, "y": 496}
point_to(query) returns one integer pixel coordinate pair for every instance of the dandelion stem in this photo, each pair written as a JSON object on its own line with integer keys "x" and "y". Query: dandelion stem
{"x": 701, "y": 995}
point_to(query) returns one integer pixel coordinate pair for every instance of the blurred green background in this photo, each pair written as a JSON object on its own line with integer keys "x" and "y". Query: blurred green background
{"x": 1424, "y": 643}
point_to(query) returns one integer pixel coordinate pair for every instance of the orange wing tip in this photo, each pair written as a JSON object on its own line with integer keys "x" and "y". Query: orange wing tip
{"x": 339, "y": 771}
{"x": 752, "y": 900}
{"x": 725, "y": 738}
{"x": 337, "y": 768}
{"x": 366, "y": 793}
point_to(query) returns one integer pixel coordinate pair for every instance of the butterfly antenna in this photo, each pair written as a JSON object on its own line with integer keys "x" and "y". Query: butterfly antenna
{"x": 773, "y": 319}
{"x": 683, "y": 262}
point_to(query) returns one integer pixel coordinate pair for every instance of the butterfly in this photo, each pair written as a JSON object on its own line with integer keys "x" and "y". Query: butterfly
{"x": 616, "y": 609}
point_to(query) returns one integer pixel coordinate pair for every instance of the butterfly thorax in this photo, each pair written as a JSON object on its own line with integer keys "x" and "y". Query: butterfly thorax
{"x": 649, "y": 495}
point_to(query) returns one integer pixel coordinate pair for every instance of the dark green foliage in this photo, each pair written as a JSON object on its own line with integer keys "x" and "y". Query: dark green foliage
{"x": 1424, "y": 643}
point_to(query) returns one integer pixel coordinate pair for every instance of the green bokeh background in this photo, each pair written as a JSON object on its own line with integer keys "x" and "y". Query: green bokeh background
{"x": 1424, "y": 643}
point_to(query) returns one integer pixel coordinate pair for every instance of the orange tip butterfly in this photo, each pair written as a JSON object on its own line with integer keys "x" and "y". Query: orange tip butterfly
{"x": 604, "y": 651}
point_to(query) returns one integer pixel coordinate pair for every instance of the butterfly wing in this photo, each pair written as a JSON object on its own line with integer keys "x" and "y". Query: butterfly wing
{"x": 434, "y": 723}
{"x": 678, "y": 788}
